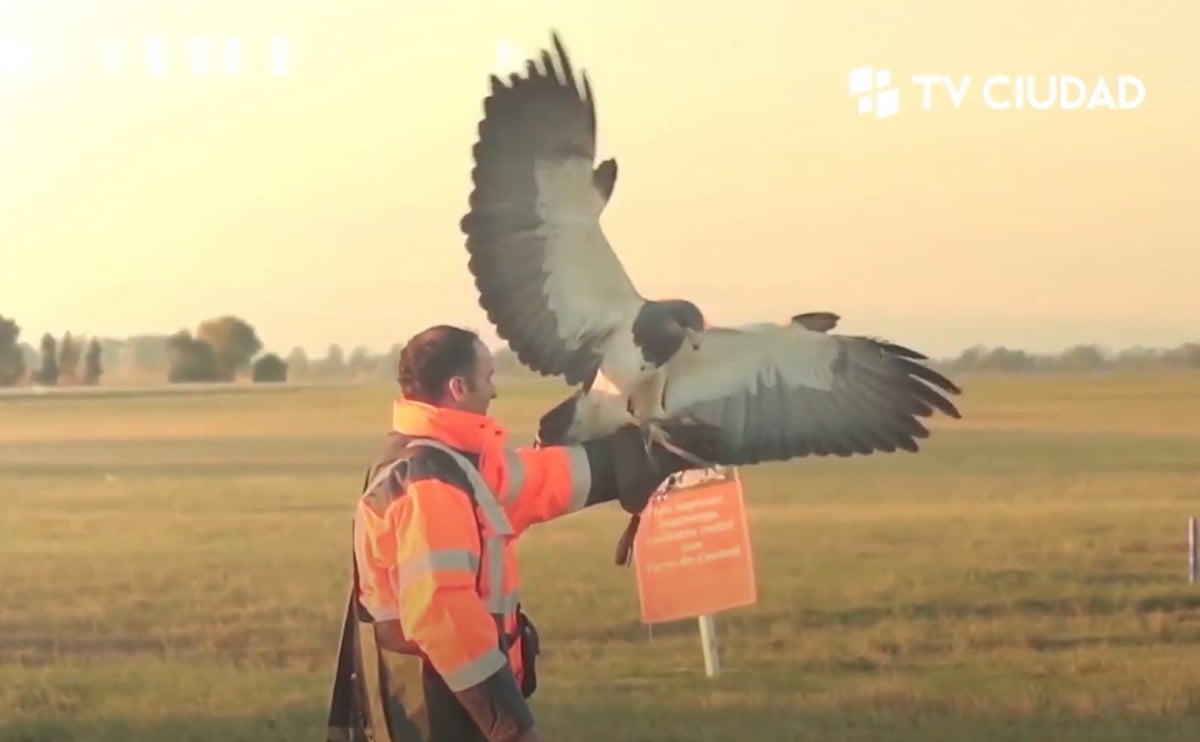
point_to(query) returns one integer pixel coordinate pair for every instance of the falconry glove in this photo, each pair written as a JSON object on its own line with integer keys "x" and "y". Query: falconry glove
{"x": 628, "y": 470}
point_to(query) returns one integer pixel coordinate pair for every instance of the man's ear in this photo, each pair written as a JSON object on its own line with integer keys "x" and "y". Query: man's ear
{"x": 458, "y": 387}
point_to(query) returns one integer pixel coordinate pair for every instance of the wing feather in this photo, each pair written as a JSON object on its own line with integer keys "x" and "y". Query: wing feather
{"x": 547, "y": 277}
{"x": 778, "y": 392}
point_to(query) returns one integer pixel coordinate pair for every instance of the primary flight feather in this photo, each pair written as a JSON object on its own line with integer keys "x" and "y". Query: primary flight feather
{"x": 558, "y": 294}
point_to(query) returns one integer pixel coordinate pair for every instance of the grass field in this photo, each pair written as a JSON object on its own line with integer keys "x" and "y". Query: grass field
{"x": 174, "y": 566}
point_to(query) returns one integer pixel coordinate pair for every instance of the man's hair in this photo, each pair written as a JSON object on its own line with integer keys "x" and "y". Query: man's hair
{"x": 431, "y": 358}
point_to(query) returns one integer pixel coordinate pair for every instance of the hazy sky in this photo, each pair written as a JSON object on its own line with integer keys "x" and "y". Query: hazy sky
{"x": 320, "y": 205}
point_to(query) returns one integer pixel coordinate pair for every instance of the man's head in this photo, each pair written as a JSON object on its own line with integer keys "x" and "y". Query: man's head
{"x": 447, "y": 367}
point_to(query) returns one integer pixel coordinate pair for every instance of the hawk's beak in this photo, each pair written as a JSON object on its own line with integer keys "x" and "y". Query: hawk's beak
{"x": 694, "y": 337}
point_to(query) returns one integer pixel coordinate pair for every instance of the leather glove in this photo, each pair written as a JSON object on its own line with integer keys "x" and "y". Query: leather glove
{"x": 638, "y": 473}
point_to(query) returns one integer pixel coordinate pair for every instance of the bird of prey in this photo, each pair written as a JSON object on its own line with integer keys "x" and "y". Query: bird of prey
{"x": 558, "y": 294}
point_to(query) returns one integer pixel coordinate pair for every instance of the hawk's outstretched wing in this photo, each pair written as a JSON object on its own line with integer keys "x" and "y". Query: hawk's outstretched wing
{"x": 547, "y": 277}
{"x": 781, "y": 391}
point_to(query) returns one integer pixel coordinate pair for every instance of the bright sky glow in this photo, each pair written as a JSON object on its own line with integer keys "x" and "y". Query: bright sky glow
{"x": 201, "y": 56}
{"x": 314, "y": 178}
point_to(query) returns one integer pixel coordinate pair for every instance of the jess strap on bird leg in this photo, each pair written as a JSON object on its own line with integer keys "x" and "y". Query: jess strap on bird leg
{"x": 625, "y": 542}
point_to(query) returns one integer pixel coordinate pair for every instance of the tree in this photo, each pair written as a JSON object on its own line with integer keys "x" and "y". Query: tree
{"x": 145, "y": 356}
{"x": 297, "y": 363}
{"x": 93, "y": 368}
{"x": 112, "y": 352}
{"x": 47, "y": 375}
{"x": 388, "y": 363}
{"x": 332, "y": 366}
{"x": 190, "y": 359}
{"x": 1185, "y": 356}
{"x": 360, "y": 363}
{"x": 12, "y": 360}
{"x": 68, "y": 358}
{"x": 1137, "y": 358}
{"x": 234, "y": 344}
{"x": 269, "y": 368}
{"x": 31, "y": 358}
{"x": 1082, "y": 358}
{"x": 505, "y": 361}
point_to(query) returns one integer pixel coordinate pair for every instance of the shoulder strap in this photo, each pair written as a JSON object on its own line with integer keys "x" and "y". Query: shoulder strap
{"x": 481, "y": 493}
{"x": 485, "y": 500}
{"x": 383, "y": 474}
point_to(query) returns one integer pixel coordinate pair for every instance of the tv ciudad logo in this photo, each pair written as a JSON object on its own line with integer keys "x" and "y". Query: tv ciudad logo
{"x": 875, "y": 94}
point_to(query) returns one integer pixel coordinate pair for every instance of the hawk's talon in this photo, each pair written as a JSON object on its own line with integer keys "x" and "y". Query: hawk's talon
{"x": 653, "y": 431}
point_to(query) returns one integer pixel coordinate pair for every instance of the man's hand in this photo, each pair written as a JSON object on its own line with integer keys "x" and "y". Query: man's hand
{"x": 638, "y": 475}
{"x": 623, "y": 469}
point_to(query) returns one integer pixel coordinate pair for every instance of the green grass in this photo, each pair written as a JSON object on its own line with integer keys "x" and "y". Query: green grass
{"x": 173, "y": 567}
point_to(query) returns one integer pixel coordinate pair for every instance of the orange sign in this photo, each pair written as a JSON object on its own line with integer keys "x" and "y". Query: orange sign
{"x": 692, "y": 553}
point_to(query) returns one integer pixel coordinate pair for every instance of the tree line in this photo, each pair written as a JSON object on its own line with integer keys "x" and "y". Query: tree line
{"x": 221, "y": 349}
{"x": 227, "y": 349}
{"x": 1075, "y": 359}
{"x": 70, "y": 359}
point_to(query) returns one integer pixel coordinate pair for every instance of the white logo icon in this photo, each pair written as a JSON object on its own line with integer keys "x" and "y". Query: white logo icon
{"x": 874, "y": 91}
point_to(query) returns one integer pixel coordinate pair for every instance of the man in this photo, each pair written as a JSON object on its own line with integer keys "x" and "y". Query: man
{"x": 435, "y": 646}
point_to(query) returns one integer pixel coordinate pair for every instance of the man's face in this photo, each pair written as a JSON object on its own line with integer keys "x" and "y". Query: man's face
{"x": 475, "y": 392}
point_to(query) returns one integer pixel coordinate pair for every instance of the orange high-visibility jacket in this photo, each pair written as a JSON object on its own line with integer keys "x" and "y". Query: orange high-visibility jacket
{"x": 420, "y": 553}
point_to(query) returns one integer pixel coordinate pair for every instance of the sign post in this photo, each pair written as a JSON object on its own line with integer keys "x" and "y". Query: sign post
{"x": 692, "y": 554}
{"x": 708, "y": 644}
{"x": 1193, "y": 550}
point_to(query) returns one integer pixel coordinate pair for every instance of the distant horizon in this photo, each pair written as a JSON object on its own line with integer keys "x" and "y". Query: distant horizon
{"x": 495, "y": 343}
{"x": 949, "y": 336}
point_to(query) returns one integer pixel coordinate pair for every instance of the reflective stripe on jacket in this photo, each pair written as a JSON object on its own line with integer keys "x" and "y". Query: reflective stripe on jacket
{"x": 419, "y": 549}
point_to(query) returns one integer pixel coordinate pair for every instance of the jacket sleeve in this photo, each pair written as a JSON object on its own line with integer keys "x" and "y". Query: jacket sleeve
{"x": 437, "y": 558}
{"x": 546, "y": 483}
{"x": 550, "y": 482}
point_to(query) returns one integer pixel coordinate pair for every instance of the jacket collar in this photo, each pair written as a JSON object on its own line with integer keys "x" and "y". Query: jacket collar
{"x": 466, "y": 431}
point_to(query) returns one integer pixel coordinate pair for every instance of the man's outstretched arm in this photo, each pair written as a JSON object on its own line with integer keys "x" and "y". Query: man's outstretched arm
{"x": 558, "y": 480}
